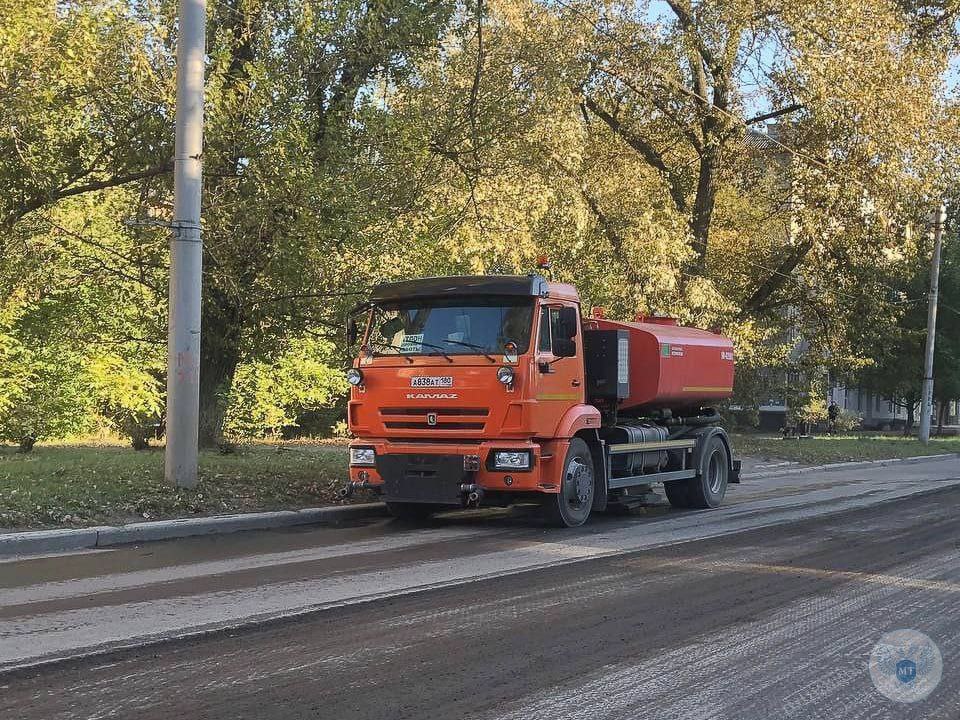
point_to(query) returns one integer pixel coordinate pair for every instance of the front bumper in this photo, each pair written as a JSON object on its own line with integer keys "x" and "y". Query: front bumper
{"x": 437, "y": 473}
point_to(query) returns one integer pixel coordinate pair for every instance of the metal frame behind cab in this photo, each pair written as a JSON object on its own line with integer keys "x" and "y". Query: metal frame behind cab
{"x": 684, "y": 473}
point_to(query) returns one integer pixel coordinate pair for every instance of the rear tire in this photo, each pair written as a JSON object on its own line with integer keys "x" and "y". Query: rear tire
{"x": 410, "y": 511}
{"x": 571, "y": 506}
{"x": 676, "y": 491}
{"x": 708, "y": 488}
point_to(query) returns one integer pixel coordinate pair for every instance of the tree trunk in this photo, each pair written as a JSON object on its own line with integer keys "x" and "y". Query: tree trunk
{"x": 703, "y": 205}
{"x": 222, "y": 321}
{"x": 911, "y": 412}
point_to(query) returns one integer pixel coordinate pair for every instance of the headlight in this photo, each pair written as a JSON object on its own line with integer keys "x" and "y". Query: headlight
{"x": 505, "y": 375}
{"x": 363, "y": 456}
{"x": 511, "y": 460}
{"x": 354, "y": 376}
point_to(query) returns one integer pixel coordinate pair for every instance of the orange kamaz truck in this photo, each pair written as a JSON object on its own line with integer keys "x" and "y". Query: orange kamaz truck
{"x": 493, "y": 390}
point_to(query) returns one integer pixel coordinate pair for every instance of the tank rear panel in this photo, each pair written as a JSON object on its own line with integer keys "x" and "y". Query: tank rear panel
{"x": 674, "y": 367}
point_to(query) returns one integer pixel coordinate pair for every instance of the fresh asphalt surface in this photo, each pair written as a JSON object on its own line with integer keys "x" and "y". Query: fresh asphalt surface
{"x": 766, "y": 608}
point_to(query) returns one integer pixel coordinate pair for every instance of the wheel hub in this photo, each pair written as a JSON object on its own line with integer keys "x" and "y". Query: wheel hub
{"x": 580, "y": 480}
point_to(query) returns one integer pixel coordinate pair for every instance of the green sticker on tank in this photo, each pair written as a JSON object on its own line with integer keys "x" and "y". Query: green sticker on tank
{"x": 665, "y": 350}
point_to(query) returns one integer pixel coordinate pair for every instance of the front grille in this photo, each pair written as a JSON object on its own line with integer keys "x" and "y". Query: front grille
{"x": 438, "y": 411}
{"x": 407, "y": 425}
{"x": 416, "y": 418}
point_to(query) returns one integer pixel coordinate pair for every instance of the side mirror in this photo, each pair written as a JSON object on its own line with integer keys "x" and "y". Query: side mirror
{"x": 566, "y": 327}
{"x": 352, "y": 331}
{"x": 563, "y": 347}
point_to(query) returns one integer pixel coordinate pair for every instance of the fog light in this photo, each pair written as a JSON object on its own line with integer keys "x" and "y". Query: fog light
{"x": 363, "y": 476}
{"x": 354, "y": 377}
{"x": 505, "y": 375}
{"x": 511, "y": 460}
{"x": 508, "y": 480}
{"x": 363, "y": 456}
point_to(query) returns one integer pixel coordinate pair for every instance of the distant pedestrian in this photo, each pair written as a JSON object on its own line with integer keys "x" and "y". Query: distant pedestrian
{"x": 833, "y": 414}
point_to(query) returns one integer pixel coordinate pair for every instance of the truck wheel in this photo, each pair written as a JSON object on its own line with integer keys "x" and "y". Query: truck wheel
{"x": 410, "y": 511}
{"x": 707, "y": 489}
{"x": 676, "y": 491}
{"x": 571, "y": 506}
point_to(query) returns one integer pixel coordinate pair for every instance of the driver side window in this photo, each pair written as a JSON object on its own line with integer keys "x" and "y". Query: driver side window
{"x": 545, "y": 345}
{"x": 549, "y": 329}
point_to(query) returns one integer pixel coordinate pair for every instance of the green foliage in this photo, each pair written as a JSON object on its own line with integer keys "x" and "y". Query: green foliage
{"x": 351, "y": 142}
{"x": 267, "y": 396}
{"x": 128, "y": 398}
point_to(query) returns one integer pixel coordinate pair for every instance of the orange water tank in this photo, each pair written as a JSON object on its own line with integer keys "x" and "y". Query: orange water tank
{"x": 671, "y": 366}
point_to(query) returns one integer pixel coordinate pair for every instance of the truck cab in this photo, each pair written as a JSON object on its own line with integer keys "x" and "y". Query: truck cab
{"x": 470, "y": 390}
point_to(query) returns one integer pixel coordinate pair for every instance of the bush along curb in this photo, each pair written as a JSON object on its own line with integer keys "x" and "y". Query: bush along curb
{"x": 54, "y": 541}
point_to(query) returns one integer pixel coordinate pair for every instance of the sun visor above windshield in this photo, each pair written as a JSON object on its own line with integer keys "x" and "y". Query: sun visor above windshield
{"x": 465, "y": 285}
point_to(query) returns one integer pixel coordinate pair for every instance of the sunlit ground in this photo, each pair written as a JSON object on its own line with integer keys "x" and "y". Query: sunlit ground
{"x": 100, "y": 479}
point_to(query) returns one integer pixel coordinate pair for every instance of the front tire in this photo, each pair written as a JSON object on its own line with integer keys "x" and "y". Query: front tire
{"x": 410, "y": 511}
{"x": 571, "y": 506}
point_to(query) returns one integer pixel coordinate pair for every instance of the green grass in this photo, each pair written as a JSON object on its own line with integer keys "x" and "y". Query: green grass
{"x": 74, "y": 485}
{"x": 827, "y": 449}
{"x": 78, "y": 485}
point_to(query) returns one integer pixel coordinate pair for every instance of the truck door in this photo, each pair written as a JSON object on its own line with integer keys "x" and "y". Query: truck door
{"x": 558, "y": 375}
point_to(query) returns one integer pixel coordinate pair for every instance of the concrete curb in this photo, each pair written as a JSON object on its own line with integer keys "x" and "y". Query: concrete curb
{"x": 847, "y": 465}
{"x": 53, "y": 541}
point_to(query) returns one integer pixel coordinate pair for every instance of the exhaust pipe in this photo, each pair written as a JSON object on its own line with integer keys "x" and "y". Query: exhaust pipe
{"x": 472, "y": 494}
{"x": 350, "y": 488}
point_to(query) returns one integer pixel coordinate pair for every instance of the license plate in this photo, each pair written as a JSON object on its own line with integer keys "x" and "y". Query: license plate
{"x": 431, "y": 381}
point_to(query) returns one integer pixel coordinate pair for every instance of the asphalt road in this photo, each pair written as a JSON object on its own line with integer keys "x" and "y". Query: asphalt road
{"x": 766, "y": 608}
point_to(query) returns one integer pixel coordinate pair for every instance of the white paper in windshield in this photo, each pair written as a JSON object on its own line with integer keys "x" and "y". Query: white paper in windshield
{"x": 412, "y": 343}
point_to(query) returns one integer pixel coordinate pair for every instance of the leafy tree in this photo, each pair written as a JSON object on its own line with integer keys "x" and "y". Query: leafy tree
{"x": 267, "y": 397}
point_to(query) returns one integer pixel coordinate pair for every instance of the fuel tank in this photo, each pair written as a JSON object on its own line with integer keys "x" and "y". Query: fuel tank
{"x": 664, "y": 365}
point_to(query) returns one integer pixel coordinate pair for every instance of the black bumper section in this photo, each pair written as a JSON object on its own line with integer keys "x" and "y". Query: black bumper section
{"x": 423, "y": 478}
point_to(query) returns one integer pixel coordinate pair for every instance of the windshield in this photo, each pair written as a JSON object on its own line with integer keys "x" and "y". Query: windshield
{"x": 451, "y": 327}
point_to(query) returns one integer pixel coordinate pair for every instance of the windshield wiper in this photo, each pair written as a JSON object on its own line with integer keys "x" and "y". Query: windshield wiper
{"x": 483, "y": 350}
{"x": 377, "y": 343}
{"x": 438, "y": 349}
{"x": 409, "y": 359}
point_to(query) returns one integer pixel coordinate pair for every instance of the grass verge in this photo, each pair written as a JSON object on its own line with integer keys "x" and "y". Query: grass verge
{"x": 830, "y": 449}
{"x": 82, "y": 485}
{"x": 76, "y": 485}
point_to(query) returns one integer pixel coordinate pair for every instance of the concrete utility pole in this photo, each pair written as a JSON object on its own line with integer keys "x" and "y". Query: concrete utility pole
{"x": 186, "y": 252}
{"x": 926, "y": 407}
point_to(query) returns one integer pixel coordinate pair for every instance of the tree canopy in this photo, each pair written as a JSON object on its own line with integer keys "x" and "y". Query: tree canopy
{"x": 760, "y": 166}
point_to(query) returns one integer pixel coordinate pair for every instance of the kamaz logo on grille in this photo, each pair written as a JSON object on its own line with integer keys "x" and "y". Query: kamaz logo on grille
{"x": 431, "y": 418}
{"x": 432, "y": 396}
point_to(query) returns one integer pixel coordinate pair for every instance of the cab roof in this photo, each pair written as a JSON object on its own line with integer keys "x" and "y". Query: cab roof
{"x": 472, "y": 285}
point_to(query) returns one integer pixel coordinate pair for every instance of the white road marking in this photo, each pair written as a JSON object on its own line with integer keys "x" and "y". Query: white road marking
{"x": 30, "y": 638}
{"x": 96, "y": 585}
